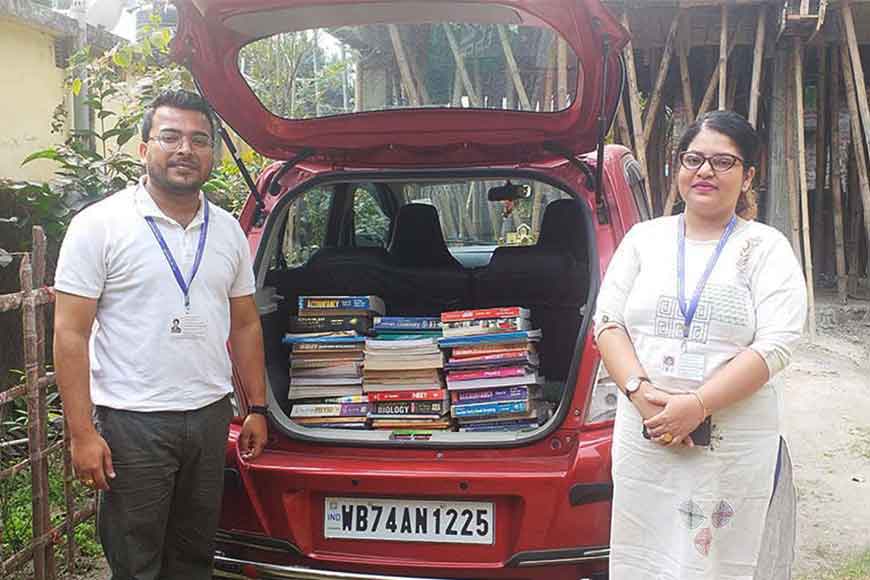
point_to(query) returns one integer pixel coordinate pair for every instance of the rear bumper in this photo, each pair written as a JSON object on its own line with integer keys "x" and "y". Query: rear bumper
{"x": 226, "y": 567}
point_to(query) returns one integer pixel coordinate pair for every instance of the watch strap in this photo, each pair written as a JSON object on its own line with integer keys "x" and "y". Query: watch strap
{"x": 638, "y": 379}
{"x": 258, "y": 410}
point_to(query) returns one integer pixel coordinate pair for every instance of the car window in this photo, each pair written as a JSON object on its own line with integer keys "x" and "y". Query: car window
{"x": 305, "y": 230}
{"x": 371, "y": 226}
{"x": 305, "y": 74}
{"x": 638, "y": 188}
{"x": 468, "y": 218}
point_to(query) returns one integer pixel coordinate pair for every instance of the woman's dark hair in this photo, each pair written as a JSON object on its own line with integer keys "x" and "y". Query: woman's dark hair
{"x": 181, "y": 99}
{"x": 745, "y": 138}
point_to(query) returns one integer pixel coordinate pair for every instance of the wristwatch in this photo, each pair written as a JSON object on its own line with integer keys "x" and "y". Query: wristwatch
{"x": 257, "y": 410}
{"x": 632, "y": 385}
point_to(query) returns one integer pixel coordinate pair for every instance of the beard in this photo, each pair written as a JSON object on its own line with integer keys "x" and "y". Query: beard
{"x": 177, "y": 178}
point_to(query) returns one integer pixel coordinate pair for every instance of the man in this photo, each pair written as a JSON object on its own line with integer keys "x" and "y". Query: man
{"x": 167, "y": 277}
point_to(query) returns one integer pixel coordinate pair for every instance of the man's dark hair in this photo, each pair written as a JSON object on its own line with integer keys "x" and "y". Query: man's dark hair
{"x": 186, "y": 100}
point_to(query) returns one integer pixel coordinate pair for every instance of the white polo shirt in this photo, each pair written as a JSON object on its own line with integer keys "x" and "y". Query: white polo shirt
{"x": 139, "y": 360}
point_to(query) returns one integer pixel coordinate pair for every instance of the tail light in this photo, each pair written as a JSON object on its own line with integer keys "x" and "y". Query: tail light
{"x": 602, "y": 401}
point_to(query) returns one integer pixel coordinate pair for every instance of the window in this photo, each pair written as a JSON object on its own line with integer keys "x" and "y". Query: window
{"x": 371, "y": 227}
{"x": 305, "y": 230}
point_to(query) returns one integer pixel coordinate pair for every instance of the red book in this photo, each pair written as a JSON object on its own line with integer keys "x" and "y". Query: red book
{"x": 481, "y": 349}
{"x": 488, "y": 373}
{"x": 501, "y": 312}
{"x": 491, "y": 357}
{"x": 427, "y": 395}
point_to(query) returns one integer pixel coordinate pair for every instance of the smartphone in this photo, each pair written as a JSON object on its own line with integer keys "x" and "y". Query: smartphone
{"x": 701, "y": 434}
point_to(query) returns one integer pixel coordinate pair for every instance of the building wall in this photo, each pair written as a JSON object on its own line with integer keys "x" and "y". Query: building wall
{"x": 32, "y": 89}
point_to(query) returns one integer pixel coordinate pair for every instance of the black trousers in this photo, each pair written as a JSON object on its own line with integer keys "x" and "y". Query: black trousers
{"x": 158, "y": 519}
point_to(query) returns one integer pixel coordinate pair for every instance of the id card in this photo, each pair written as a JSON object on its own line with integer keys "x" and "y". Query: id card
{"x": 187, "y": 327}
{"x": 684, "y": 365}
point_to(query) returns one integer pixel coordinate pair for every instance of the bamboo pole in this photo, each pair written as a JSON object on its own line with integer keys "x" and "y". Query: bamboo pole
{"x": 404, "y": 67}
{"x": 549, "y": 105}
{"x": 836, "y": 183}
{"x": 857, "y": 141}
{"x": 757, "y": 64}
{"x": 791, "y": 164}
{"x": 656, "y": 95}
{"x": 723, "y": 56}
{"x": 797, "y": 51}
{"x": 818, "y": 221}
{"x": 561, "y": 74}
{"x": 685, "y": 81}
{"x": 634, "y": 102}
{"x": 707, "y": 101}
{"x": 622, "y": 126}
{"x": 857, "y": 68}
{"x": 460, "y": 64}
{"x": 514, "y": 69}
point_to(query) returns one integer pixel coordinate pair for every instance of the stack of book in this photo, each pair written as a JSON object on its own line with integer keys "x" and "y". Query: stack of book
{"x": 492, "y": 369}
{"x": 327, "y": 350}
{"x": 402, "y": 378}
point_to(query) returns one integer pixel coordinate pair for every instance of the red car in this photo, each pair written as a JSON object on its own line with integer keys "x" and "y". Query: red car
{"x": 442, "y": 156}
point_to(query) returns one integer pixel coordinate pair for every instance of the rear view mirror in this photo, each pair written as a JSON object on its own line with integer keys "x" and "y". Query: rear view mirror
{"x": 509, "y": 192}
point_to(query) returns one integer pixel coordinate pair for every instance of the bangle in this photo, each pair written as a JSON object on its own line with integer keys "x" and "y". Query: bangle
{"x": 701, "y": 402}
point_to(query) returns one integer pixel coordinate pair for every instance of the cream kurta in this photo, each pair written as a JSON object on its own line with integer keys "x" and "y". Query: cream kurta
{"x": 683, "y": 514}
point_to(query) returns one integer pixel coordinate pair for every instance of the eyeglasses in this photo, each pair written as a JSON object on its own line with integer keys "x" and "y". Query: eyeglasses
{"x": 170, "y": 141}
{"x": 720, "y": 162}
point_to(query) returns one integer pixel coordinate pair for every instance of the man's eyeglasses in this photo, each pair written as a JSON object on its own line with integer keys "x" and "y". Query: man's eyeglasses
{"x": 720, "y": 162}
{"x": 170, "y": 141}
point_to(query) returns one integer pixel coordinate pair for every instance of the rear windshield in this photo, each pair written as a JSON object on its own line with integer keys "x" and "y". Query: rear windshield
{"x": 321, "y": 72}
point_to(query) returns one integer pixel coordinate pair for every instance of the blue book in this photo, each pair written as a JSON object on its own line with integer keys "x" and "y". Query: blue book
{"x": 302, "y": 339}
{"x": 514, "y": 425}
{"x": 372, "y": 303}
{"x": 490, "y": 409}
{"x": 503, "y": 337}
{"x": 407, "y": 323}
{"x": 492, "y": 395}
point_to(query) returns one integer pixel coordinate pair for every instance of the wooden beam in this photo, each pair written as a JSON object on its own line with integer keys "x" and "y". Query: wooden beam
{"x": 797, "y": 51}
{"x": 836, "y": 184}
{"x": 513, "y": 68}
{"x": 634, "y": 102}
{"x": 685, "y": 81}
{"x": 857, "y": 141}
{"x": 791, "y": 163}
{"x": 723, "y": 55}
{"x": 818, "y": 229}
{"x": 622, "y": 126}
{"x": 404, "y": 67}
{"x": 561, "y": 74}
{"x": 856, "y": 66}
{"x": 656, "y": 94}
{"x": 460, "y": 64}
{"x": 707, "y": 101}
{"x": 757, "y": 64}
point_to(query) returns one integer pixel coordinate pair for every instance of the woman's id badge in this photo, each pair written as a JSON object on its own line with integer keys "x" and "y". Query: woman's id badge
{"x": 684, "y": 365}
{"x": 188, "y": 327}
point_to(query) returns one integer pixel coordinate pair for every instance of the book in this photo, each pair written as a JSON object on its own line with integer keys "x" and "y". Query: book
{"x": 501, "y": 425}
{"x": 528, "y": 379}
{"x": 467, "y": 365}
{"x": 333, "y": 369}
{"x": 319, "y": 392}
{"x": 490, "y": 409}
{"x": 500, "y": 338}
{"x": 484, "y": 349}
{"x": 485, "y": 326}
{"x": 429, "y": 361}
{"x": 303, "y": 324}
{"x": 489, "y": 373}
{"x": 331, "y": 421}
{"x": 406, "y": 323}
{"x": 343, "y": 346}
{"x": 325, "y": 381}
{"x": 407, "y": 334}
{"x": 329, "y": 410}
{"x": 423, "y": 395}
{"x": 536, "y": 411}
{"x": 409, "y": 408}
{"x": 347, "y": 399}
{"x": 332, "y": 338}
{"x": 408, "y": 423}
{"x": 356, "y": 303}
{"x": 479, "y": 313}
{"x": 425, "y": 344}
{"x": 492, "y": 395}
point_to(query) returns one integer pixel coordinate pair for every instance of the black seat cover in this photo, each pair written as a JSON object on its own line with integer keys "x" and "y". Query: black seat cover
{"x": 550, "y": 278}
{"x": 417, "y": 239}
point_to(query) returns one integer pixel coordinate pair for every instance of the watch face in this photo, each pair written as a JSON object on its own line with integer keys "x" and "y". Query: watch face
{"x": 632, "y": 385}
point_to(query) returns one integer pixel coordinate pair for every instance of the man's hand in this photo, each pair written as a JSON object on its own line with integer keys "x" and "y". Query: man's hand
{"x": 92, "y": 460}
{"x": 253, "y": 436}
{"x": 682, "y": 413}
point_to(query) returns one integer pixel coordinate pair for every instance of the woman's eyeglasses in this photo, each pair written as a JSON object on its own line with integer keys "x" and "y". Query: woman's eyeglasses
{"x": 170, "y": 141}
{"x": 720, "y": 162}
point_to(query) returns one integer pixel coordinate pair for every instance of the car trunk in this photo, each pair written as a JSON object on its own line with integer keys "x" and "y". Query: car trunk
{"x": 339, "y": 236}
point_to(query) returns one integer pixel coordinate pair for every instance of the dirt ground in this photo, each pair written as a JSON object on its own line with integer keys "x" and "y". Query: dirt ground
{"x": 827, "y": 408}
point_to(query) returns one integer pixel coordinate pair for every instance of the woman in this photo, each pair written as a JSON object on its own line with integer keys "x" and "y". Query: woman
{"x": 696, "y": 313}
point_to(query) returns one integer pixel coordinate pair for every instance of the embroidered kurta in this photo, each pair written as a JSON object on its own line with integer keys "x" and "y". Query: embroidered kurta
{"x": 699, "y": 513}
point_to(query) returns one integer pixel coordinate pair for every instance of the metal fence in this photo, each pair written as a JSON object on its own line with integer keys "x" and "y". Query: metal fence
{"x": 52, "y": 525}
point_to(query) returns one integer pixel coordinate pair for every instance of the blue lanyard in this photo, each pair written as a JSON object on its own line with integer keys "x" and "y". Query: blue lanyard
{"x": 173, "y": 265}
{"x": 689, "y": 309}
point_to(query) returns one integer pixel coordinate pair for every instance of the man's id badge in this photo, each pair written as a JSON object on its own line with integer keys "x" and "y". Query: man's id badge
{"x": 684, "y": 365}
{"x": 188, "y": 327}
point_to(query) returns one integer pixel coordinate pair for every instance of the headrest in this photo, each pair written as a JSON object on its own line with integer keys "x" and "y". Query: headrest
{"x": 563, "y": 228}
{"x": 417, "y": 239}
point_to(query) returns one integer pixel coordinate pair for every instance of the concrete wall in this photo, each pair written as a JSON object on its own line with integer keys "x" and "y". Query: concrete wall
{"x": 32, "y": 89}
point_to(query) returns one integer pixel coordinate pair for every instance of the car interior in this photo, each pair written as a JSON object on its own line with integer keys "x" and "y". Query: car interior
{"x": 418, "y": 273}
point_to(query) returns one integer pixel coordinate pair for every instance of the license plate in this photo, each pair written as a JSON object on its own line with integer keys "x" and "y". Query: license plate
{"x": 456, "y": 522}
